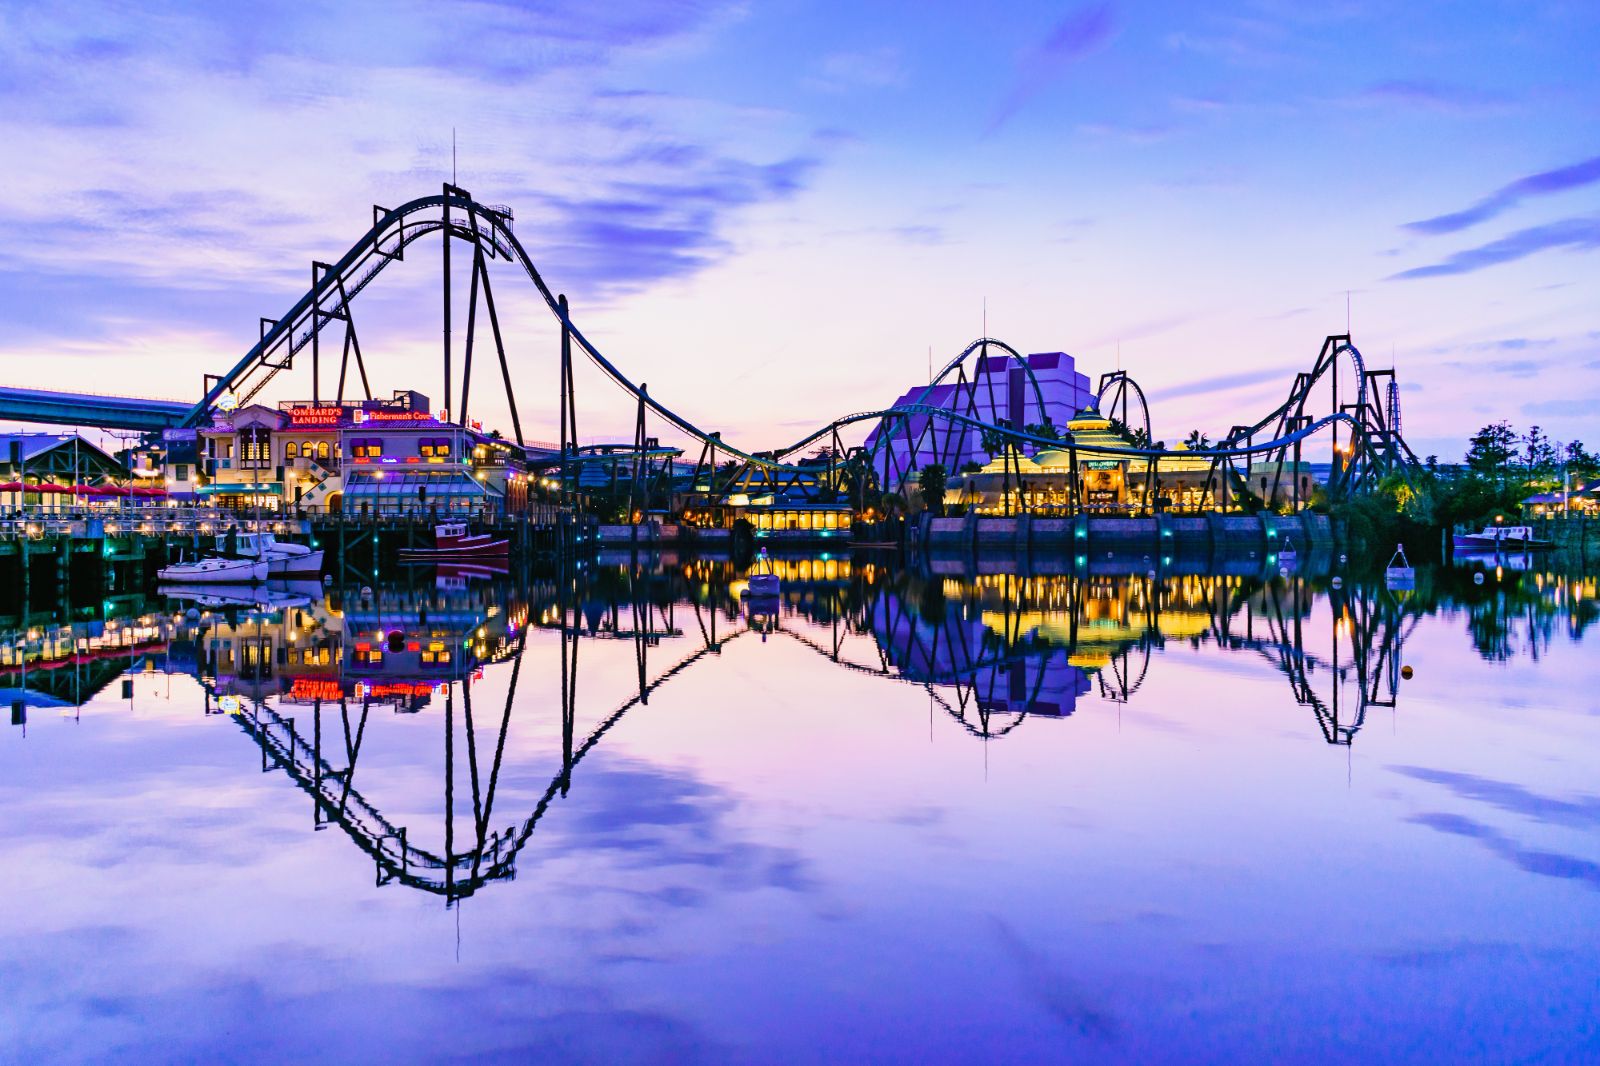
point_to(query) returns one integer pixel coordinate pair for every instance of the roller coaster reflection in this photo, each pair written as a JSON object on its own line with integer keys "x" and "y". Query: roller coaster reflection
{"x": 992, "y": 651}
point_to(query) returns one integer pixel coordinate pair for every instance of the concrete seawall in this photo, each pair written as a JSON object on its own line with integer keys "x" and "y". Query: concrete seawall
{"x": 1084, "y": 534}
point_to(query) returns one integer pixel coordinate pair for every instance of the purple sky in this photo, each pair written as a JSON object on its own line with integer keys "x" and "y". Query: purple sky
{"x": 772, "y": 213}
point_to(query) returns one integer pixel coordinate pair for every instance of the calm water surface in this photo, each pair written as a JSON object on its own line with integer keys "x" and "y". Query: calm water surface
{"x": 621, "y": 815}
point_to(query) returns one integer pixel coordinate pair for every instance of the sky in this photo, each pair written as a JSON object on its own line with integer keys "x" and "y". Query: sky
{"x": 775, "y": 214}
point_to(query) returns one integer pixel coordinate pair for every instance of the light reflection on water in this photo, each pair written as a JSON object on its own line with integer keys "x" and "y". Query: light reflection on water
{"x": 1116, "y": 812}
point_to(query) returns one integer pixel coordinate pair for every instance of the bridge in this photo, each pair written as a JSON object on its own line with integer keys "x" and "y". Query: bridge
{"x": 1366, "y": 412}
{"x": 91, "y": 409}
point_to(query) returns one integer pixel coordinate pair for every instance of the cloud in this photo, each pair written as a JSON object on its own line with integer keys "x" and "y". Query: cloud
{"x": 1543, "y": 863}
{"x": 877, "y": 68}
{"x": 1433, "y": 96}
{"x": 627, "y": 234}
{"x": 1506, "y": 197}
{"x": 1517, "y": 368}
{"x": 1579, "y": 234}
{"x": 226, "y": 157}
{"x": 1132, "y": 134}
{"x": 1079, "y": 34}
{"x": 1212, "y": 384}
{"x": 1587, "y": 405}
{"x": 1581, "y": 811}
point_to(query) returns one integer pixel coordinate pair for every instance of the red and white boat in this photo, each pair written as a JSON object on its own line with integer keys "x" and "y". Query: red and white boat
{"x": 453, "y": 541}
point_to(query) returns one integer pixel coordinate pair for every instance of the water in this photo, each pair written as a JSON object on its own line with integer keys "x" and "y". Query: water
{"x": 918, "y": 817}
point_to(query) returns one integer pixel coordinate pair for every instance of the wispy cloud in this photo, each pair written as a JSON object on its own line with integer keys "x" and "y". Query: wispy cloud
{"x": 1438, "y": 97}
{"x": 1579, "y": 407}
{"x": 1577, "y": 234}
{"x": 1074, "y": 37}
{"x": 875, "y": 68}
{"x": 225, "y": 157}
{"x": 1217, "y": 383}
{"x": 1508, "y": 196}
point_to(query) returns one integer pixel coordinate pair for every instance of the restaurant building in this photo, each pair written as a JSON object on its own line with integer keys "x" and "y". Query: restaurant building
{"x": 1174, "y": 480}
{"x": 375, "y": 457}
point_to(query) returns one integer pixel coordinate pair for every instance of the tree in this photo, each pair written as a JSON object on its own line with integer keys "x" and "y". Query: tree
{"x": 1539, "y": 453}
{"x": 1047, "y": 430}
{"x": 1581, "y": 464}
{"x": 1197, "y": 440}
{"x": 932, "y": 482}
{"x": 1491, "y": 449}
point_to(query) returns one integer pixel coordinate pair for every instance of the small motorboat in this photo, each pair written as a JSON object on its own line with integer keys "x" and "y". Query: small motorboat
{"x": 1500, "y": 539}
{"x": 1399, "y": 574}
{"x": 215, "y": 571}
{"x": 452, "y": 541}
{"x": 284, "y": 559}
{"x": 763, "y": 579}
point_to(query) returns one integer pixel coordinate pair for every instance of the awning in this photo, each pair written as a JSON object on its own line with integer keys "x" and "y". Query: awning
{"x": 406, "y": 485}
{"x": 239, "y": 488}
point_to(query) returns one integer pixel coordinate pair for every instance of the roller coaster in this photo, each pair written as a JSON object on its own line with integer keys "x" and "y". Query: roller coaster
{"x": 1370, "y": 421}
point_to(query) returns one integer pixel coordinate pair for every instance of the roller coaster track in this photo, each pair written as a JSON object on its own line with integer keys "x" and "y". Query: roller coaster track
{"x": 1376, "y": 638}
{"x": 489, "y": 230}
{"x": 397, "y": 859}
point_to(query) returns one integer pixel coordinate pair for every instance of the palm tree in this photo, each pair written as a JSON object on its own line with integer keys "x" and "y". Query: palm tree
{"x": 932, "y": 480}
{"x": 1198, "y": 440}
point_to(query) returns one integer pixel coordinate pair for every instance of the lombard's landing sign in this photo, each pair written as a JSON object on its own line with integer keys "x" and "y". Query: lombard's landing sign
{"x": 315, "y": 416}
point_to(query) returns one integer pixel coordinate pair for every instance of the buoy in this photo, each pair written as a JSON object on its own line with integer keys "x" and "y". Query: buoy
{"x": 1151, "y": 574}
{"x": 1338, "y": 582}
{"x": 1343, "y": 558}
{"x": 1477, "y": 579}
{"x": 366, "y": 591}
{"x": 1283, "y": 571}
{"x": 327, "y": 579}
{"x": 1405, "y": 672}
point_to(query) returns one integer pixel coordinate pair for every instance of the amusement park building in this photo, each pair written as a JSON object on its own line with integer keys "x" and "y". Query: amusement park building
{"x": 1174, "y": 481}
{"x": 999, "y": 390}
{"x": 371, "y": 457}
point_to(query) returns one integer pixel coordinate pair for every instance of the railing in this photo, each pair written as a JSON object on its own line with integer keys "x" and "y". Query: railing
{"x": 37, "y": 524}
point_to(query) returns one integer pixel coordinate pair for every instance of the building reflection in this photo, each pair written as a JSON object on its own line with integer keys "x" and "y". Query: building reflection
{"x": 303, "y": 671}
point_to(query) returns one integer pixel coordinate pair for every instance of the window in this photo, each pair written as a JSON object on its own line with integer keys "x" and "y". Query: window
{"x": 435, "y": 447}
{"x": 437, "y": 653}
{"x": 322, "y": 449}
{"x": 255, "y": 448}
{"x": 369, "y": 448}
{"x": 181, "y": 472}
{"x": 292, "y": 450}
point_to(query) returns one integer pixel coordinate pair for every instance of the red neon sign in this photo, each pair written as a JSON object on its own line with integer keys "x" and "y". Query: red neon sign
{"x": 316, "y": 416}
{"x": 314, "y": 688}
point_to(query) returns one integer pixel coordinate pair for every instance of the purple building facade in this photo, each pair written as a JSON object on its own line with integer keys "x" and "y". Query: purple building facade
{"x": 998, "y": 390}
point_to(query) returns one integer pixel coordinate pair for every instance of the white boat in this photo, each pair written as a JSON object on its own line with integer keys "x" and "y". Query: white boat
{"x": 284, "y": 559}
{"x": 763, "y": 579}
{"x": 1399, "y": 574}
{"x": 215, "y": 571}
{"x": 1500, "y": 538}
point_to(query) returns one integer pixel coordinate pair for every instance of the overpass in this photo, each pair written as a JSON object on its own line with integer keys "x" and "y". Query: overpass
{"x": 90, "y": 409}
